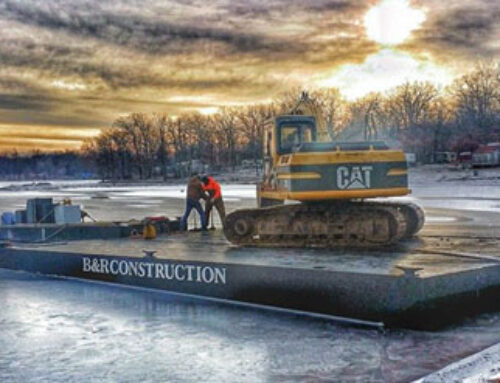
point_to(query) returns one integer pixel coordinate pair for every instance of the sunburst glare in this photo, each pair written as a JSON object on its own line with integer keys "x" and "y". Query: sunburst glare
{"x": 392, "y": 21}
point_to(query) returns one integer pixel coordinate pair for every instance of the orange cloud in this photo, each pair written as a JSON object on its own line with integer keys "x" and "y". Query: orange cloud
{"x": 79, "y": 64}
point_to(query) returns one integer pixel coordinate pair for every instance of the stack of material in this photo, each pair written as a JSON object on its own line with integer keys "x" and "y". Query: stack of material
{"x": 21, "y": 216}
{"x": 43, "y": 210}
{"x": 67, "y": 214}
{"x": 40, "y": 210}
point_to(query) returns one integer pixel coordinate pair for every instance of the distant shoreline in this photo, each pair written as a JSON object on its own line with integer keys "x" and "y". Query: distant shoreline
{"x": 421, "y": 175}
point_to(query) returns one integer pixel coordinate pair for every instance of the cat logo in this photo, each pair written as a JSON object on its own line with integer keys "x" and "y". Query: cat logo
{"x": 355, "y": 177}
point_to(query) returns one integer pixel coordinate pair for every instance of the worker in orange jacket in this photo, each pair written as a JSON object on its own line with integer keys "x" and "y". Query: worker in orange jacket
{"x": 213, "y": 188}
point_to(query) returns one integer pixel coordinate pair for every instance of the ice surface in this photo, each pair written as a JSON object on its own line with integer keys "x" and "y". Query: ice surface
{"x": 56, "y": 330}
{"x": 59, "y": 330}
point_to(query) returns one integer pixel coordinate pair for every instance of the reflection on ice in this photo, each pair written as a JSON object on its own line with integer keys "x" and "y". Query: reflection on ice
{"x": 62, "y": 330}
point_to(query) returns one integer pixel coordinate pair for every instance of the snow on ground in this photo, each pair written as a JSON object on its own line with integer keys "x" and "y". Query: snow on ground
{"x": 482, "y": 367}
{"x": 446, "y": 176}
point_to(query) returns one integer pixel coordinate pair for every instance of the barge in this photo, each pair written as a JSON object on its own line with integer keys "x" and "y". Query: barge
{"x": 421, "y": 284}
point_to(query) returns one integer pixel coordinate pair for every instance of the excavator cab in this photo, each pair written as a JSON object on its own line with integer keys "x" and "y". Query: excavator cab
{"x": 285, "y": 136}
{"x": 292, "y": 131}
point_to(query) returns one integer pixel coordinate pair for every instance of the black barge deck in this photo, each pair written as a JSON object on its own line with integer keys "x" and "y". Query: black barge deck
{"x": 424, "y": 283}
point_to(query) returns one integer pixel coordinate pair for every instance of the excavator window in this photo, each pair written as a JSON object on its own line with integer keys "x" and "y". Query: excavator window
{"x": 291, "y": 136}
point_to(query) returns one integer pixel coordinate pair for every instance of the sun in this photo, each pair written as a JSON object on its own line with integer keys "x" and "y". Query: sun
{"x": 392, "y": 21}
{"x": 389, "y": 23}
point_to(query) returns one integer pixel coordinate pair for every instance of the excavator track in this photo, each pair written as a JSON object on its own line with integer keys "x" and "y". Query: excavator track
{"x": 331, "y": 225}
{"x": 414, "y": 217}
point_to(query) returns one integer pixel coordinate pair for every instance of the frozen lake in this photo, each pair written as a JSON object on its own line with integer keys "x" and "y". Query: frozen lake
{"x": 127, "y": 202}
{"x": 56, "y": 330}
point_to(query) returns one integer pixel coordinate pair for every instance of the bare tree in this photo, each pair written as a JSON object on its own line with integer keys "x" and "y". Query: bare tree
{"x": 368, "y": 116}
{"x": 253, "y": 120}
{"x": 160, "y": 122}
{"x": 103, "y": 150}
{"x": 148, "y": 138}
{"x": 410, "y": 103}
{"x": 120, "y": 144}
{"x": 440, "y": 121}
{"x": 476, "y": 97}
{"x": 127, "y": 126}
{"x": 226, "y": 124}
{"x": 177, "y": 137}
{"x": 334, "y": 110}
{"x": 288, "y": 100}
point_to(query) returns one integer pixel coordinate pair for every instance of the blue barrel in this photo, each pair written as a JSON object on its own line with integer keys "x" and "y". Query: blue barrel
{"x": 8, "y": 218}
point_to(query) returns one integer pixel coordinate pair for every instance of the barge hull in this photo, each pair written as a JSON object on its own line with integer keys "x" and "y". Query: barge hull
{"x": 401, "y": 300}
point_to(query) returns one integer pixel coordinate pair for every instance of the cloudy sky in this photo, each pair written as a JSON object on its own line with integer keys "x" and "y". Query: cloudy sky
{"x": 70, "y": 67}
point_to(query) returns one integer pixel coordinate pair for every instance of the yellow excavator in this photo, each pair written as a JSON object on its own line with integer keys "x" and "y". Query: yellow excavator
{"x": 332, "y": 184}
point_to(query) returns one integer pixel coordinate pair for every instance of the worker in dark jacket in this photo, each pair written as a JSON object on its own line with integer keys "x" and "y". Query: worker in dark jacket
{"x": 194, "y": 194}
{"x": 213, "y": 188}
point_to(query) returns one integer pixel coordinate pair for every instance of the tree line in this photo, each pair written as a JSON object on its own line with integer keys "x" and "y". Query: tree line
{"x": 415, "y": 116}
{"x": 39, "y": 165}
